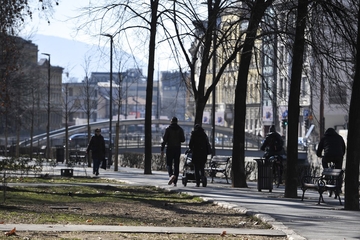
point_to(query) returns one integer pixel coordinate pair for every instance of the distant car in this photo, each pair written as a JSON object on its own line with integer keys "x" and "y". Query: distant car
{"x": 302, "y": 143}
{"x": 78, "y": 144}
{"x": 80, "y": 140}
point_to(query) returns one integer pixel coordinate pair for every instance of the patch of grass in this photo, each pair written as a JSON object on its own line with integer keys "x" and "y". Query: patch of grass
{"x": 76, "y": 203}
{"x": 47, "y": 179}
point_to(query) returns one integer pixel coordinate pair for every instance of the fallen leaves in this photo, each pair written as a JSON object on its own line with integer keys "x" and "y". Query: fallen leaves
{"x": 12, "y": 232}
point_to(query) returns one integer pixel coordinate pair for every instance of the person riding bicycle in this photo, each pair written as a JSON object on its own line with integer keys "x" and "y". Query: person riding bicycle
{"x": 333, "y": 146}
{"x": 273, "y": 145}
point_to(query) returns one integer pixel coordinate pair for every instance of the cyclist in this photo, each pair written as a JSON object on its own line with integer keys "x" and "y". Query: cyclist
{"x": 333, "y": 146}
{"x": 273, "y": 145}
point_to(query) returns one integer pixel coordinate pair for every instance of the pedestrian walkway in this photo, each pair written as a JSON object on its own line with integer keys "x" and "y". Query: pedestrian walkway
{"x": 290, "y": 217}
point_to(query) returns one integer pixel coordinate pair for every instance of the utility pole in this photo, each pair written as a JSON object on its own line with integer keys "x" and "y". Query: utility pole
{"x": 110, "y": 95}
{"x": 322, "y": 119}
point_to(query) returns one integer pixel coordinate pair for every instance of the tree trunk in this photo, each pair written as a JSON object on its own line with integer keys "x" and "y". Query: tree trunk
{"x": 149, "y": 86}
{"x": 294, "y": 107}
{"x": 238, "y": 155}
{"x": 353, "y": 140}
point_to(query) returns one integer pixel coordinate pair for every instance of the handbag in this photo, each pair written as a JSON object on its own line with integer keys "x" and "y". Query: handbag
{"x": 103, "y": 164}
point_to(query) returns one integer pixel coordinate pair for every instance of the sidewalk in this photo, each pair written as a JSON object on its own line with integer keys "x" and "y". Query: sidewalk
{"x": 290, "y": 217}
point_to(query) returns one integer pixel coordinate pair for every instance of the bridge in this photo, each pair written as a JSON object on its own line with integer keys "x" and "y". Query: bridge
{"x": 134, "y": 142}
{"x": 223, "y": 133}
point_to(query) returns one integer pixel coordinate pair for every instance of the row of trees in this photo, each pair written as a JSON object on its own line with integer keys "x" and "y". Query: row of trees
{"x": 322, "y": 30}
{"x": 306, "y": 25}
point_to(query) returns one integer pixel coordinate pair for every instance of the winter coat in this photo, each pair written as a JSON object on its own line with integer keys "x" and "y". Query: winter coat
{"x": 332, "y": 144}
{"x": 273, "y": 144}
{"x": 173, "y": 137}
{"x": 97, "y": 147}
{"x": 198, "y": 146}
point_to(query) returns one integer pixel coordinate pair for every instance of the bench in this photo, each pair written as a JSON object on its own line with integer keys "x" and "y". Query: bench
{"x": 219, "y": 164}
{"x": 330, "y": 180}
{"x": 77, "y": 156}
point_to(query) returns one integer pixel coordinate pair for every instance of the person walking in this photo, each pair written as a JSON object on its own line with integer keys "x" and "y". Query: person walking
{"x": 172, "y": 139}
{"x": 333, "y": 146}
{"x": 198, "y": 145}
{"x": 97, "y": 148}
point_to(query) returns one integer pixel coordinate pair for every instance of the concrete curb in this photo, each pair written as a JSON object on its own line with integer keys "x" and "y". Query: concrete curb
{"x": 139, "y": 229}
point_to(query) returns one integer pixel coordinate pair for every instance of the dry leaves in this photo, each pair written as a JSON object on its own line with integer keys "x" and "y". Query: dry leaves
{"x": 12, "y": 232}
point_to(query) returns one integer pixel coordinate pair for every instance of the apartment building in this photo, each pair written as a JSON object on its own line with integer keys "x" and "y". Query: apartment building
{"x": 26, "y": 80}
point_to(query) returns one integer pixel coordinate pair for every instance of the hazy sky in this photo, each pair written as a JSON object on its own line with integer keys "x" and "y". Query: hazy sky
{"x": 62, "y": 25}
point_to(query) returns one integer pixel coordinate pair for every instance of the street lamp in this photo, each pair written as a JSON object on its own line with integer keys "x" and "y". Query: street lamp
{"x": 213, "y": 93}
{"x": 48, "y": 111}
{"x": 110, "y": 100}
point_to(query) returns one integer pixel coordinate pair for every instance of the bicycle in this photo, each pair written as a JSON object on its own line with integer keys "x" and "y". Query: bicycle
{"x": 331, "y": 179}
{"x": 277, "y": 168}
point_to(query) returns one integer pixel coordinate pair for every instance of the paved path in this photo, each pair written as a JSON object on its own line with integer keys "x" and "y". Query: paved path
{"x": 296, "y": 219}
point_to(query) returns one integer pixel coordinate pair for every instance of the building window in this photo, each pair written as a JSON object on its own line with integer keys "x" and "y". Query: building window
{"x": 337, "y": 94}
{"x": 70, "y": 92}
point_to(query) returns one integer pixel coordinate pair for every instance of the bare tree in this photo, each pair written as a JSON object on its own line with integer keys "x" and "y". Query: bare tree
{"x": 257, "y": 10}
{"x": 69, "y": 108}
{"x": 119, "y": 19}
{"x": 353, "y": 151}
{"x": 294, "y": 108}
{"x": 90, "y": 99}
{"x": 334, "y": 43}
{"x": 219, "y": 46}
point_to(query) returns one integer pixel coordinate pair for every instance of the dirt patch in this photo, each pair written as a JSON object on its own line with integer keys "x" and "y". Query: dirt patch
{"x": 130, "y": 210}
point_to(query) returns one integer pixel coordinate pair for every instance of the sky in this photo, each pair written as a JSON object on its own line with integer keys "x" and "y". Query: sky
{"x": 70, "y": 49}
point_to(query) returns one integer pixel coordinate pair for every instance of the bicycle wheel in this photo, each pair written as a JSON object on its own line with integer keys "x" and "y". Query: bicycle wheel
{"x": 276, "y": 174}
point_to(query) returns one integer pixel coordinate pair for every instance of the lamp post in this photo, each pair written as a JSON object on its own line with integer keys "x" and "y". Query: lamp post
{"x": 213, "y": 94}
{"x": 48, "y": 110}
{"x": 110, "y": 100}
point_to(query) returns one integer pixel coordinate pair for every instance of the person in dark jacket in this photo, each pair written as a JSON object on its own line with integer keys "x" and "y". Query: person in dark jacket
{"x": 172, "y": 139}
{"x": 198, "y": 145}
{"x": 273, "y": 143}
{"x": 334, "y": 148}
{"x": 97, "y": 148}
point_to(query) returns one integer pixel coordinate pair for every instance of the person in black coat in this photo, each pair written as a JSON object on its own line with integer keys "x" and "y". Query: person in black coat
{"x": 172, "y": 139}
{"x": 198, "y": 145}
{"x": 97, "y": 148}
{"x": 273, "y": 143}
{"x": 334, "y": 148}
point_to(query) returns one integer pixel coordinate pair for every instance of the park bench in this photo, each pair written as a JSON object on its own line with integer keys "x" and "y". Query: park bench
{"x": 330, "y": 180}
{"x": 77, "y": 156}
{"x": 219, "y": 164}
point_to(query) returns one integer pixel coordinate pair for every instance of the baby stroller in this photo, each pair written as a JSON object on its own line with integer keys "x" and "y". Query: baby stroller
{"x": 189, "y": 170}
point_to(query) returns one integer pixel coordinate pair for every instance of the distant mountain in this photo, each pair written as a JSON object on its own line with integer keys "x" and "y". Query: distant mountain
{"x": 72, "y": 56}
